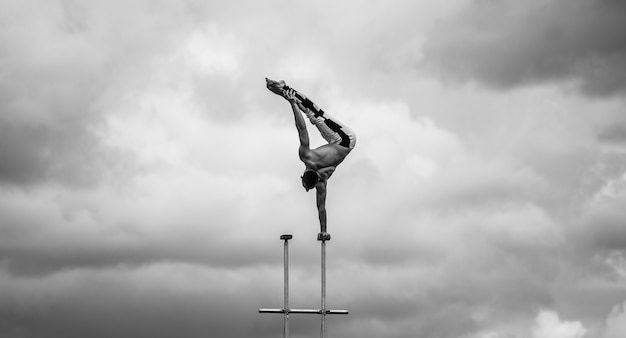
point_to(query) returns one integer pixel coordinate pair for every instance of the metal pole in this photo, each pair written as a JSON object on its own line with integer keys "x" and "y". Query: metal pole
{"x": 286, "y": 238}
{"x": 323, "y": 237}
{"x": 323, "y": 289}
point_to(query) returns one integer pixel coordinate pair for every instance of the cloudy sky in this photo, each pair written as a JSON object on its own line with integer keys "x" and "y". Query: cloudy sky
{"x": 146, "y": 173}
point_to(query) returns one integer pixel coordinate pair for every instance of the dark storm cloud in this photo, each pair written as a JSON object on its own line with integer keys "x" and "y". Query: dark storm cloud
{"x": 22, "y": 259}
{"x": 148, "y": 301}
{"x": 42, "y": 126}
{"x": 615, "y": 134}
{"x": 33, "y": 154}
{"x": 438, "y": 231}
{"x": 602, "y": 223}
{"x": 60, "y": 63}
{"x": 506, "y": 44}
{"x": 49, "y": 81}
{"x": 39, "y": 237}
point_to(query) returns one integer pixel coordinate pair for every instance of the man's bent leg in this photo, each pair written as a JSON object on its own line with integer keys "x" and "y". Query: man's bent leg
{"x": 331, "y": 129}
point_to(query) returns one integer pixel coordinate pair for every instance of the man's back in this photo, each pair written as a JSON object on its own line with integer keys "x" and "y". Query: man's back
{"x": 328, "y": 155}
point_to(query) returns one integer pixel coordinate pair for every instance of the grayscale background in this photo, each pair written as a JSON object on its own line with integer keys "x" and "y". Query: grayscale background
{"x": 146, "y": 173}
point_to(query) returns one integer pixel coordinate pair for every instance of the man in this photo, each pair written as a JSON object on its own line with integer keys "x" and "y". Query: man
{"x": 321, "y": 162}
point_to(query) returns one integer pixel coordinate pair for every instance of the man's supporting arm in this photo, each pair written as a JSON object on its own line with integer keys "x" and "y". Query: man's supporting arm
{"x": 321, "y": 204}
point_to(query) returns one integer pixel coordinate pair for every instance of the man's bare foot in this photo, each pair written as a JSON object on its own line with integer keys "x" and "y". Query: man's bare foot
{"x": 275, "y": 87}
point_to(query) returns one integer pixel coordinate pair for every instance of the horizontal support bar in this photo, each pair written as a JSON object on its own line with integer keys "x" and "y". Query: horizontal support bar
{"x": 305, "y": 311}
{"x": 271, "y": 311}
{"x": 336, "y": 312}
{"x": 313, "y": 311}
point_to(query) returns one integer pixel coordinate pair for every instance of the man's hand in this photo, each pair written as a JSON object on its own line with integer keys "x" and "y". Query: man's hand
{"x": 290, "y": 95}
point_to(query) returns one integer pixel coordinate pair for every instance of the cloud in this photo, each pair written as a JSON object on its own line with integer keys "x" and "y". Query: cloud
{"x": 506, "y": 44}
{"x": 616, "y": 323}
{"x": 614, "y": 138}
{"x": 546, "y": 324}
{"x": 602, "y": 216}
{"x": 155, "y": 300}
{"x": 59, "y": 62}
{"x": 145, "y": 167}
{"x": 549, "y": 325}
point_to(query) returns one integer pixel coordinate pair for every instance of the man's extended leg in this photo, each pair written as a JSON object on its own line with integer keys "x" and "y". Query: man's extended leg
{"x": 331, "y": 129}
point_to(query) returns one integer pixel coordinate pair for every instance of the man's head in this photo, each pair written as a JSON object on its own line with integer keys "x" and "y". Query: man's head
{"x": 310, "y": 178}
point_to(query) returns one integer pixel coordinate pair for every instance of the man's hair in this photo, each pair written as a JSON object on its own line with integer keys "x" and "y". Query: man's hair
{"x": 310, "y": 179}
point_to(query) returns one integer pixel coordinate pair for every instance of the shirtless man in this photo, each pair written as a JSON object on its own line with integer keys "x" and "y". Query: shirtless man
{"x": 320, "y": 163}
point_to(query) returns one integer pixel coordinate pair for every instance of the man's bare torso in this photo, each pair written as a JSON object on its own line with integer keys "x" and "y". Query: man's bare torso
{"x": 328, "y": 155}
